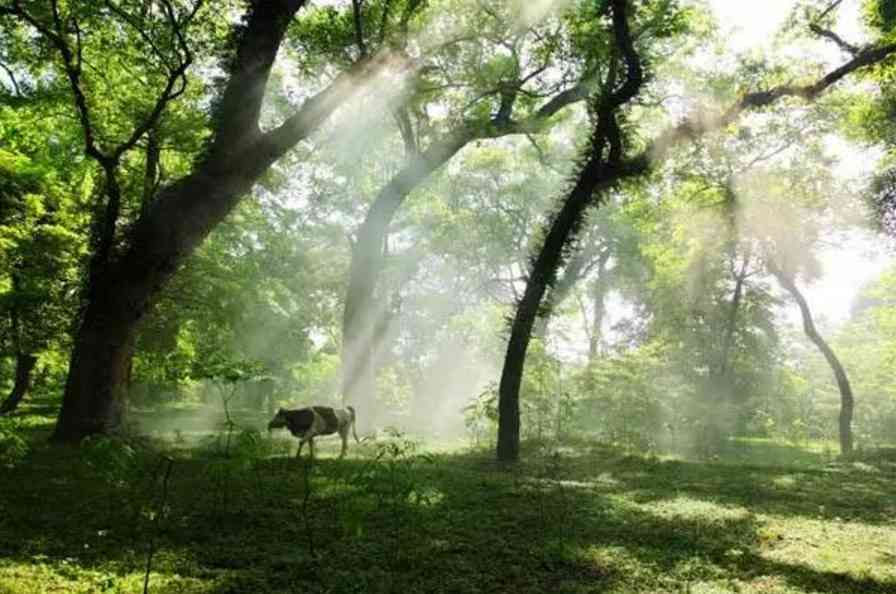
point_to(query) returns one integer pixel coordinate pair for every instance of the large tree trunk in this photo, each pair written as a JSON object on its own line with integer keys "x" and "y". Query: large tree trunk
{"x": 847, "y": 400}
{"x": 122, "y": 292}
{"x": 24, "y": 367}
{"x": 97, "y": 383}
{"x": 121, "y": 289}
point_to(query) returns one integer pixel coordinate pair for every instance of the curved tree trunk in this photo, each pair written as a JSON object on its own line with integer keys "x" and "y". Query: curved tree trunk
{"x": 361, "y": 319}
{"x": 24, "y": 367}
{"x": 657, "y": 151}
{"x": 362, "y": 313}
{"x": 597, "y": 173}
{"x": 528, "y": 309}
{"x": 847, "y": 400}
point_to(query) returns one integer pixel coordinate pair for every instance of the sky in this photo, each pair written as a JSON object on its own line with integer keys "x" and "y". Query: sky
{"x": 753, "y": 23}
{"x": 750, "y": 26}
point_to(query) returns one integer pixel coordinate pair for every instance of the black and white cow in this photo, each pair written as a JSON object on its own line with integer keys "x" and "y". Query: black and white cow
{"x": 308, "y": 423}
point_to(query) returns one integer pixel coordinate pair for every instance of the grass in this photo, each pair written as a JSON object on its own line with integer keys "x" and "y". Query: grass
{"x": 585, "y": 518}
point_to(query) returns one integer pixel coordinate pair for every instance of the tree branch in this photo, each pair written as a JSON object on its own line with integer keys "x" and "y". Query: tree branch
{"x": 319, "y": 107}
{"x": 56, "y": 36}
{"x": 169, "y": 93}
{"x": 829, "y": 9}
{"x": 694, "y": 128}
{"x": 839, "y": 41}
{"x": 12, "y": 79}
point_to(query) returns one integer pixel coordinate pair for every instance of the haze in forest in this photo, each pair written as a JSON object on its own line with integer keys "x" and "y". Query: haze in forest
{"x": 386, "y": 258}
{"x": 447, "y": 296}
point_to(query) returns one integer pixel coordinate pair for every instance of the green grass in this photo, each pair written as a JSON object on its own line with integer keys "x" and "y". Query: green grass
{"x": 585, "y": 519}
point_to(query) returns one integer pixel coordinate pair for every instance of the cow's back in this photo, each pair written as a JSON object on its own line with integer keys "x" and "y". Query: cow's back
{"x": 331, "y": 421}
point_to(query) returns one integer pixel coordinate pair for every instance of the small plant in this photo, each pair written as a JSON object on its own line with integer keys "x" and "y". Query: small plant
{"x": 392, "y": 477}
{"x": 112, "y": 459}
{"x": 232, "y": 456}
{"x": 481, "y": 414}
{"x": 13, "y": 447}
{"x": 115, "y": 462}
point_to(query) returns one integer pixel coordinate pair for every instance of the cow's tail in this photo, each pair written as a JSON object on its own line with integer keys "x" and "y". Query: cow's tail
{"x": 351, "y": 410}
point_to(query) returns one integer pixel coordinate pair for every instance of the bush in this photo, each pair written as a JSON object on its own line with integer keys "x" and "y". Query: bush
{"x": 112, "y": 459}
{"x": 13, "y": 447}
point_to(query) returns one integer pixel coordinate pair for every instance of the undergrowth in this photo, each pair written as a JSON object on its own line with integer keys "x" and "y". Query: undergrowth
{"x": 393, "y": 517}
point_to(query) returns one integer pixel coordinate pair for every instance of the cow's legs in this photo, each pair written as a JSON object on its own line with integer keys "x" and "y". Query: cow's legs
{"x": 299, "y": 453}
{"x": 343, "y": 433}
{"x": 311, "y": 446}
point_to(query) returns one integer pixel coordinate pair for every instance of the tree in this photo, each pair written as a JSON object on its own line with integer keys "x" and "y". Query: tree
{"x": 847, "y": 401}
{"x": 601, "y": 160}
{"x": 40, "y": 251}
{"x": 126, "y": 273}
{"x": 493, "y": 101}
{"x": 596, "y": 177}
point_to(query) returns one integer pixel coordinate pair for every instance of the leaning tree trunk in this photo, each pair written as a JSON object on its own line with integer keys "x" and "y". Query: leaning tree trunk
{"x": 121, "y": 288}
{"x": 847, "y": 401}
{"x": 121, "y": 292}
{"x": 656, "y": 152}
{"x": 24, "y": 367}
{"x": 527, "y": 311}
{"x": 361, "y": 316}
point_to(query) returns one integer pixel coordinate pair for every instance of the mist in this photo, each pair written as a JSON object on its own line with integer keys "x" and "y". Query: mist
{"x": 683, "y": 297}
{"x": 447, "y": 296}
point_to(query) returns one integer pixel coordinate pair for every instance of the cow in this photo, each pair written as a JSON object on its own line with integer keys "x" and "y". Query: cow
{"x": 308, "y": 423}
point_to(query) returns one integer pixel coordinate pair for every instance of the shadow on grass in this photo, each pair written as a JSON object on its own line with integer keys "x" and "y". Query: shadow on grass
{"x": 588, "y": 521}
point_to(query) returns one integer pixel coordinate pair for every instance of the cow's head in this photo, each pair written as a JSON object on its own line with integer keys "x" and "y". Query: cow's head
{"x": 278, "y": 421}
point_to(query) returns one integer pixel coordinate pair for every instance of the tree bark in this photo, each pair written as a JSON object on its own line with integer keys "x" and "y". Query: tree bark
{"x": 24, "y": 367}
{"x": 847, "y": 400}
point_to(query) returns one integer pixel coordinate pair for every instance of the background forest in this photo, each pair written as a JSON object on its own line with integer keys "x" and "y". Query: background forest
{"x": 591, "y": 238}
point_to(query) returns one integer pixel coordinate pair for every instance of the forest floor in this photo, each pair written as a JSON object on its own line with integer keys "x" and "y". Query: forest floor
{"x": 391, "y": 518}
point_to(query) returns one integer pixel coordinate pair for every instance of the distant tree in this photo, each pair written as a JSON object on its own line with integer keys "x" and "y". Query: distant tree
{"x": 40, "y": 257}
{"x": 847, "y": 401}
